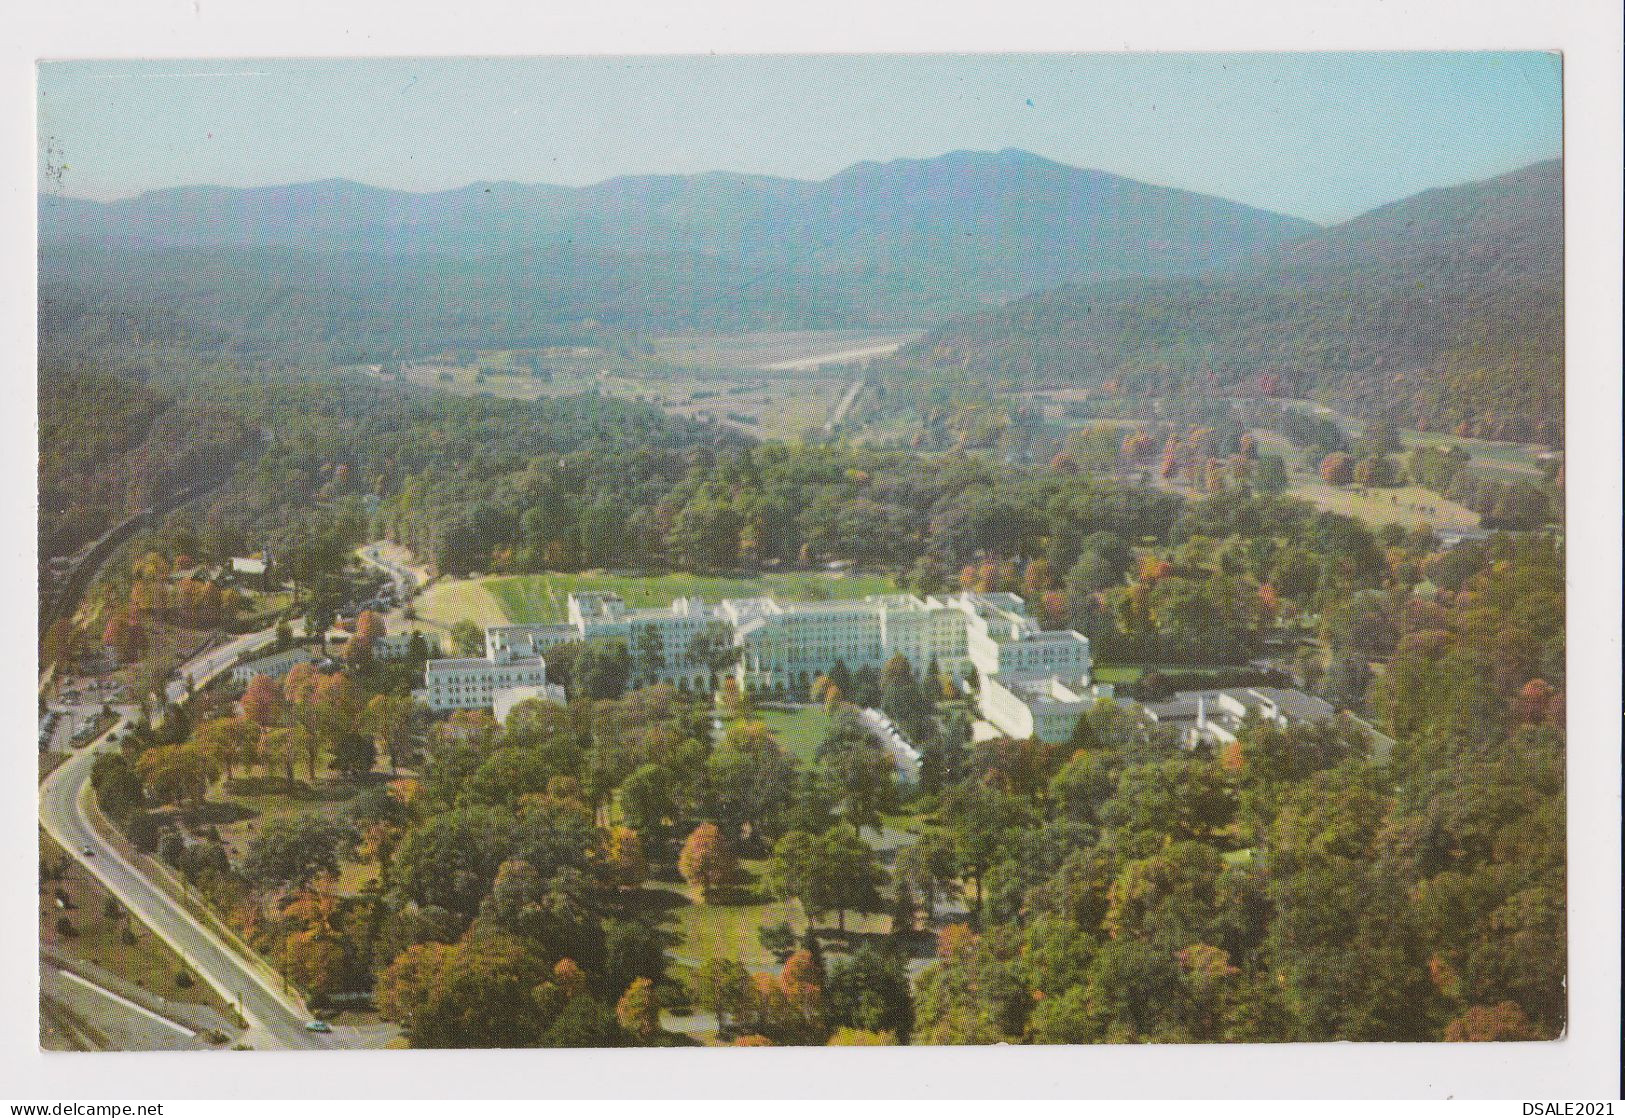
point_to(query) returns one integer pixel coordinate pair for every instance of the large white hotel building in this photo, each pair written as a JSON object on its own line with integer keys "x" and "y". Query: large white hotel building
{"x": 1031, "y": 682}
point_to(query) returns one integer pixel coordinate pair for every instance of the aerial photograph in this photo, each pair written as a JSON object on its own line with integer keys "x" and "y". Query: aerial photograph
{"x": 801, "y": 550}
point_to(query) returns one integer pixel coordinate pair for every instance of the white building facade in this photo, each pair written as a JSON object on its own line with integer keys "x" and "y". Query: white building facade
{"x": 785, "y": 645}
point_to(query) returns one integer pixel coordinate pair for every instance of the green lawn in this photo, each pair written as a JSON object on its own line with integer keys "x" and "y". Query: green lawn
{"x": 1409, "y": 506}
{"x": 799, "y": 731}
{"x": 728, "y": 931}
{"x": 1125, "y": 674}
{"x": 541, "y": 598}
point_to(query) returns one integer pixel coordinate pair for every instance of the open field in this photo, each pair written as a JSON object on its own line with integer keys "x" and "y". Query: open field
{"x": 771, "y": 385}
{"x": 541, "y": 598}
{"x": 450, "y": 600}
{"x": 1507, "y": 461}
{"x": 727, "y": 929}
{"x": 778, "y": 406}
{"x": 799, "y": 731}
{"x": 1409, "y": 506}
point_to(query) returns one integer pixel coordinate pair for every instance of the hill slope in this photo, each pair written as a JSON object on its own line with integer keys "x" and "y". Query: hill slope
{"x": 1440, "y": 310}
{"x": 904, "y": 242}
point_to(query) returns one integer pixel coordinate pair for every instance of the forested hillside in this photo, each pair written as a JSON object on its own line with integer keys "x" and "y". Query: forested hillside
{"x": 1443, "y": 311}
{"x": 357, "y": 272}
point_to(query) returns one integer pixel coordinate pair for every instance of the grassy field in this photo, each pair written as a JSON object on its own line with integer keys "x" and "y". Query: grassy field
{"x": 764, "y": 349}
{"x": 799, "y": 731}
{"x": 1409, "y": 506}
{"x": 727, "y": 929}
{"x": 767, "y": 385}
{"x": 451, "y": 600}
{"x": 1505, "y": 461}
{"x": 523, "y": 599}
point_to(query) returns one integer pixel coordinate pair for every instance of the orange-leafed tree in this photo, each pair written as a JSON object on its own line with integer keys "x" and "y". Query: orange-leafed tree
{"x": 705, "y": 861}
{"x": 1037, "y": 578}
{"x": 369, "y": 630}
{"x": 1337, "y": 468}
{"x": 262, "y": 701}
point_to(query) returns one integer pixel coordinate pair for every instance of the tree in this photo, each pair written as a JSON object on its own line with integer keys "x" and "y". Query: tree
{"x": 477, "y": 993}
{"x": 1337, "y": 468}
{"x": 862, "y": 773}
{"x": 280, "y": 748}
{"x": 389, "y": 719}
{"x": 835, "y": 871}
{"x": 452, "y": 859}
{"x": 846, "y": 1036}
{"x": 1182, "y": 798}
{"x": 262, "y": 701}
{"x": 646, "y": 799}
{"x": 649, "y": 653}
{"x": 369, "y": 630}
{"x": 750, "y": 778}
{"x": 623, "y": 858}
{"x": 600, "y": 671}
{"x": 468, "y": 637}
{"x": 315, "y": 959}
{"x": 869, "y": 990}
{"x": 295, "y": 850}
{"x": 720, "y": 987}
{"x": 229, "y": 741}
{"x": 901, "y": 698}
{"x": 633, "y": 949}
{"x": 638, "y": 1013}
{"x": 353, "y": 754}
{"x": 980, "y": 821}
{"x": 177, "y": 773}
{"x": 705, "y": 861}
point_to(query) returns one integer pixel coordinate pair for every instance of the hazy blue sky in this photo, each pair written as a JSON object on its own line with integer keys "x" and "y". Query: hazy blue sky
{"x": 1320, "y": 136}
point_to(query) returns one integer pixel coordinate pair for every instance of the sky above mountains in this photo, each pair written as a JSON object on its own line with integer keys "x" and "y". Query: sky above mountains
{"x": 1318, "y": 136}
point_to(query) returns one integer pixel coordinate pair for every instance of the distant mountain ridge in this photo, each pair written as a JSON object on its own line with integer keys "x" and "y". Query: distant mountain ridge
{"x": 907, "y": 241}
{"x": 1442, "y": 310}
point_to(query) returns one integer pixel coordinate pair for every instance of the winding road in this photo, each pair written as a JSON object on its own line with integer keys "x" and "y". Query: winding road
{"x": 276, "y": 1019}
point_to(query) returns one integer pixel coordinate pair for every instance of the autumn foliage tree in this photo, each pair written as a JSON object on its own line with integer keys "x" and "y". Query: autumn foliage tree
{"x": 638, "y": 1013}
{"x": 706, "y": 862}
{"x": 262, "y": 701}
{"x": 1337, "y": 468}
{"x": 369, "y": 630}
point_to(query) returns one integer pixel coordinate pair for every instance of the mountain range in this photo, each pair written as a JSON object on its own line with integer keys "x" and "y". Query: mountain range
{"x": 1443, "y": 310}
{"x": 899, "y": 243}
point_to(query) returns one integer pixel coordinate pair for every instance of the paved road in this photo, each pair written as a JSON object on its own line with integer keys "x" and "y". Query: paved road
{"x": 845, "y": 405}
{"x": 210, "y": 663}
{"x": 276, "y": 1020}
{"x": 406, "y": 579}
